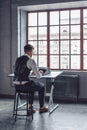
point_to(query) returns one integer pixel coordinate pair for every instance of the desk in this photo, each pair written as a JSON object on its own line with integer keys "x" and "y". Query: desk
{"x": 52, "y": 76}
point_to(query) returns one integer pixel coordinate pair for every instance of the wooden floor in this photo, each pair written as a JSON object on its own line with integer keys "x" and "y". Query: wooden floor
{"x": 65, "y": 117}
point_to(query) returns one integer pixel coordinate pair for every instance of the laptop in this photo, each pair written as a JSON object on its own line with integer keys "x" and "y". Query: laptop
{"x": 45, "y": 70}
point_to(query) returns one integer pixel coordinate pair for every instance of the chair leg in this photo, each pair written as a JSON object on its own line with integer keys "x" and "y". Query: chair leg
{"x": 27, "y": 104}
{"x": 31, "y": 108}
{"x": 32, "y": 111}
{"x": 16, "y": 105}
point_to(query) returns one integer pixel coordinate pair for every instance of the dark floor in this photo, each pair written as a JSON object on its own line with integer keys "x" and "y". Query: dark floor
{"x": 65, "y": 117}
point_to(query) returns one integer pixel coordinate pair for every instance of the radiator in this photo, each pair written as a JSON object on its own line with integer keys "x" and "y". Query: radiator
{"x": 66, "y": 87}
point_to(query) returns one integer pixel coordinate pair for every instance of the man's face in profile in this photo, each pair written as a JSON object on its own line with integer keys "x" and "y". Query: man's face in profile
{"x": 30, "y": 53}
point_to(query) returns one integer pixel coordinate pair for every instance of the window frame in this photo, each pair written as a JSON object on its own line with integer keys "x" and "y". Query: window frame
{"x": 48, "y": 37}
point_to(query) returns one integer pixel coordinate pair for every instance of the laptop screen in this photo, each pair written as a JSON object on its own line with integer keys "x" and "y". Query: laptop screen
{"x": 45, "y": 70}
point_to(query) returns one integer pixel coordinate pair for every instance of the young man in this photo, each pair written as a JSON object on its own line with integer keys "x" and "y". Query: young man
{"x": 26, "y": 83}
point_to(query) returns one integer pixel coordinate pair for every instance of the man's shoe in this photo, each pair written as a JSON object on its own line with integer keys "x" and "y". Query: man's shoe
{"x": 32, "y": 109}
{"x": 30, "y": 112}
{"x": 43, "y": 109}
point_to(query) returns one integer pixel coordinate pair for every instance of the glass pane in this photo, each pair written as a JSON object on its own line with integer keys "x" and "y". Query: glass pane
{"x": 85, "y": 62}
{"x": 85, "y": 15}
{"x": 42, "y": 33}
{"x": 32, "y": 33}
{"x": 64, "y": 17}
{"x": 54, "y": 18}
{"x": 42, "y": 47}
{"x": 75, "y": 32}
{"x": 54, "y": 32}
{"x": 85, "y": 47}
{"x": 75, "y": 16}
{"x": 42, "y": 18}
{"x": 54, "y": 47}
{"x": 35, "y": 58}
{"x": 64, "y": 47}
{"x": 75, "y": 47}
{"x": 85, "y": 31}
{"x": 64, "y": 62}
{"x": 54, "y": 62}
{"x": 34, "y": 44}
{"x": 42, "y": 61}
{"x": 75, "y": 62}
{"x": 32, "y": 19}
{"x": 64, "y": 32}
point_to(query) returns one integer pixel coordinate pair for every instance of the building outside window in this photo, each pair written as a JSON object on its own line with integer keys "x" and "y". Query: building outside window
{"x": 59, "y": 38}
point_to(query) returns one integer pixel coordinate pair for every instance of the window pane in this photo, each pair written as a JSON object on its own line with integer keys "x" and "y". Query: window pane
{"x": 64, "y": 62}
{"x": 32, "y": 19}
{"x": 35, "y": 58}
{"x": 42, "y": 61}
{"x": 75, "y": 32}
{"x": 85, "y": 15}
{"x": 64, "y": 32}
{"x": 85, "y": 47}
{"x": 75, "y": 17}
{"x": 32, "y": 33}
{"x": 54, "y": 61}
{"x": 85, "y": 31}
{"x": 75, "y": 47}
{"x": 54, "y": 47}
{"x": 54, "y": 18}
{"x": 64, "y": 17}
{"x": 34, "y": 44}
{"x": 42, "y": 18}
{"x": 54, "y": 32}
{"x": 85, "y": 62}
{"x": 64, "y": 47}
{"x": 75, "y": 62}
{"x": 42, "y": 33}
{"x": 42, "y": 47}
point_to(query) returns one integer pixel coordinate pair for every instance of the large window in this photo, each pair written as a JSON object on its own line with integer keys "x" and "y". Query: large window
{"x": 59, "y": 38}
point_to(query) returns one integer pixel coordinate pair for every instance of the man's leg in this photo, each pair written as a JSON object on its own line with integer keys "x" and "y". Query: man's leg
{"x": 29, "y": 89}
{"x": 39, "y": 86}
{"x": 31, "y": 97}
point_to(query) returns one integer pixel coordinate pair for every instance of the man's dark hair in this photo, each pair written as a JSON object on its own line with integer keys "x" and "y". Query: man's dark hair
{"x": 28, "y": 47}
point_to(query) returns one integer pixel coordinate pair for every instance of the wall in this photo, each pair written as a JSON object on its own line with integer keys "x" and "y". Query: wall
{"x": 10, "y": 40}
{"x": 5, "y": 45}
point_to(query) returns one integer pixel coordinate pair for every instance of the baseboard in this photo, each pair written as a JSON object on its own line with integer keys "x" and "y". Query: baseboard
{"x": 6, "y": 96}
{"x": 80, "y": 100}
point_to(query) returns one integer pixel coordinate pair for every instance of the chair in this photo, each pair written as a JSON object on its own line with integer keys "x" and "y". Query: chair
{"x": 18, "y": 108}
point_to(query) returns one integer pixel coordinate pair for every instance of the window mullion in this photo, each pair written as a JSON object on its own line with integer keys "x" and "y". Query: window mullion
{"x": 81, "y": 40}
{"x": 48, "y": 39}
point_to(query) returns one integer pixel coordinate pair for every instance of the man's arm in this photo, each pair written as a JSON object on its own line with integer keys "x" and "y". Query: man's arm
{"x": 31, "y": 64}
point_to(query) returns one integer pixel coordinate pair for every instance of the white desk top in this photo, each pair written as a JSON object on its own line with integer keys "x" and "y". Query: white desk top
{"x": 53, "y": 74}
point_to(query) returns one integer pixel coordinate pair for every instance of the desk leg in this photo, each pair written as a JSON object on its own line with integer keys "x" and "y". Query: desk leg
{"x": 51, "y": 105}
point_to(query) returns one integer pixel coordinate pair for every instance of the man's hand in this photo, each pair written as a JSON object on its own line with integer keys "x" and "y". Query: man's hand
{"x": 32, "y": 73}
{"x": 41, "y": 72}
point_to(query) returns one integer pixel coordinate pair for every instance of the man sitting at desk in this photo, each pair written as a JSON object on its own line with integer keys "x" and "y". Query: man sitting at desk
{"x": 26, "y": 83}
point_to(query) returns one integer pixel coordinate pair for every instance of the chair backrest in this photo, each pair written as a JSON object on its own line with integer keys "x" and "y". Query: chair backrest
{"x": 21, "y": 70}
